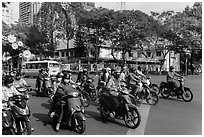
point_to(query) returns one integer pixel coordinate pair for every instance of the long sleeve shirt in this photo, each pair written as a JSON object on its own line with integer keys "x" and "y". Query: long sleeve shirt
{"x": 9, "y": 92}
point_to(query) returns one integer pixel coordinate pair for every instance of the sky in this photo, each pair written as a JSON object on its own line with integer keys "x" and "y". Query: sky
{"x": 146, "y": 7}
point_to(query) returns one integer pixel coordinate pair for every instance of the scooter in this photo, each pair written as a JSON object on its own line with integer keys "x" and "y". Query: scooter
{"x": 8, "y": 121}
{"x": 21, "y": 113}
{"x": 47, "y": 88}
{"x": 145, "y": 93}
{"x": 84, "y": 96}
{"x": 182, "y": 91}
{"x": 90, "y": 89}
{"x": 126, "y": 110}
{"x": 152, "y": 86}
{"x": 71, "y": 113}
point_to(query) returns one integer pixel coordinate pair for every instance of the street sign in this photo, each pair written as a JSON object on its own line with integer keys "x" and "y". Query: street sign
{"x": 26, "y": 54}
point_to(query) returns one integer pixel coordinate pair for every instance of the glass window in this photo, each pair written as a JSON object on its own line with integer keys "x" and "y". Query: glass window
{"x": 53, "y": 65}
{"x": 44, "y": 65}
{"x": 148, "y": 54}
{"x": 158, "y": 53}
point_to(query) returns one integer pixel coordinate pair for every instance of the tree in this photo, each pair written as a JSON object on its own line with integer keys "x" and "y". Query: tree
{"x": 51, "y": 22}
{"x": 35, "y": 40}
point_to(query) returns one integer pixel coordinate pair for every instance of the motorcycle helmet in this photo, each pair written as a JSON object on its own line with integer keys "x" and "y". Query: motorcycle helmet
{"x": 139, "y": 68}
{"x": 18, "y": 76}
{"x": 171, "y": 67}
{"x": 8, "y": 80}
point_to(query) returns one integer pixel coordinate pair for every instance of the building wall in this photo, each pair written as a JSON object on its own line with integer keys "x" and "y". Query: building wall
{"x": 7, "y": 15}
{"x": 27, "y": 10}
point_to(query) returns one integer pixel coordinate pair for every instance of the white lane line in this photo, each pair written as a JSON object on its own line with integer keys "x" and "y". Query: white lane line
{"x": 144, "y": 111}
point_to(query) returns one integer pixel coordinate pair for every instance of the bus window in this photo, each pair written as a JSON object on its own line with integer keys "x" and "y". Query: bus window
{"x": 28, "y": 66}
{"x": 53, "y": 65}
{"x": 44, "y": 65}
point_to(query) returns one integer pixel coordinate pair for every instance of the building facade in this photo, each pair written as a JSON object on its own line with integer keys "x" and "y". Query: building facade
{"x": 27, "y": 10}
{"x": 7, "y": 14}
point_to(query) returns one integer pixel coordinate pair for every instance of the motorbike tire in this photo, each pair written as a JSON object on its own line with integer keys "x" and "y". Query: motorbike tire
{"x": 8, "y": 131}
{"x": 81, "y": 127}
{"x": 155, "y": 88}
{"x": 187, "y": 95}
{"x": 154, "y": 98}
{"x": 26, "y": 128}
{"x": 104, "y": 116}
{"x": 128, "y": 118}
{"x": 164, "y": 92}
{"x": 86, "y": 100}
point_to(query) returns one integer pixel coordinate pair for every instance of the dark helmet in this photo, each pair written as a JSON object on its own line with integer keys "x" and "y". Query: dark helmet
{"x": 8, "y": 80}
{"x": 59, "y": 75}
{"x": 171, "y": 67}
{"x": 47, "y": 69}
{"x": 139, "y": 67}
{"x": 65, "y": 76}
{"x": 18, "y": 74}
{"x": 85, "y": 70}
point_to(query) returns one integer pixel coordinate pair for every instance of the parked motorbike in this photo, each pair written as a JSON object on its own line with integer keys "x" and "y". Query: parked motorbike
{"x": 182, "y": 91}
{"x": 126, "y": 110}
{"x": 145, "y": 93}
{"x": 72, "y": 114}
{"x": 21, "y": 113}
{"x": 8, "y": 121}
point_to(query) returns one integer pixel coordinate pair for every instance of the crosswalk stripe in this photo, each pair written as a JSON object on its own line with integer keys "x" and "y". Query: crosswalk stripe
{"x": 144, "y": 111}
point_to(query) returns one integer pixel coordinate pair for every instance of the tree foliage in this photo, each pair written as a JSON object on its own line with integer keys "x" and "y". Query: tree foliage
{"x": 51, "y": 22}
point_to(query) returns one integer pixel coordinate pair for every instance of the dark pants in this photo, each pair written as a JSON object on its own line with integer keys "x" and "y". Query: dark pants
{"x": 134, "y": 88}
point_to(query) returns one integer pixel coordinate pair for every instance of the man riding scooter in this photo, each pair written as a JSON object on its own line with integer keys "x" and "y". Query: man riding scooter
{"x": 63, "y": 89}
{"x": 40, "y": 79}
{"x": 172, "y": 78}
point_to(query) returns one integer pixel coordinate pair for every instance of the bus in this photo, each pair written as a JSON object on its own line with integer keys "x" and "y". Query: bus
{"x": 31, "y": 68}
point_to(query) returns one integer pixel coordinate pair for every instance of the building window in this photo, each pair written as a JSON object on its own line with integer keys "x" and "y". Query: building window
{"x": 63, "y": 54}
{"x": 139, "y": 54}
{"x": 158, "y": 53}
{"x": 148, "y": 54}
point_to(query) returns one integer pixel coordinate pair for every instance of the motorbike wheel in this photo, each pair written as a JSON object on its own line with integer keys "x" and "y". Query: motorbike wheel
{"x": 104, "y": 115}
{"x": 165, "y": 92}
{"x": 187, "y": 95}
{"x": 80, "y": 128}
{"x": 26, "y": 128}
{"x": 155, "y": 88}
{"x": 153, "y": 98}
{"x": 132, "y": 118}
{"x": 86, "y": 100}
{"x": 8, "y": 131}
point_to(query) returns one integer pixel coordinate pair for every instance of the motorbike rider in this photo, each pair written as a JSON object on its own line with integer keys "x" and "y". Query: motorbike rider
{"x": 40, "y": 79}
{"x": 139, "y": 72}
{"x": 9, "y": 90}
{"x": 133, "y": 80}
{"x": 172, "y": 78}
{"x": 64, "y": 88}
{"x": 57, "y": 81}
{"x": 19, "y": 81}
{"x": 114, "y": 85}
{"x": 82, "y": 77}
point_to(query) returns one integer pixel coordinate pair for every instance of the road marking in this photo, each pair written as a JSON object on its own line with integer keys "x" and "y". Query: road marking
{"x": 144, "y": 111}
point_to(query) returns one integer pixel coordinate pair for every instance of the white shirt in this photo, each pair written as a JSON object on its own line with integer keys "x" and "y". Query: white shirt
{"x": 9, "y": 92}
